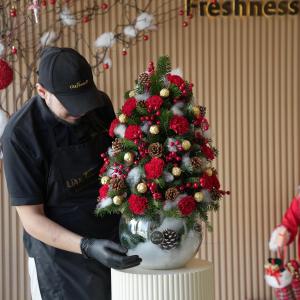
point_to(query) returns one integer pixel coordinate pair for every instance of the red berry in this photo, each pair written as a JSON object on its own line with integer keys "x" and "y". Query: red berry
{"x": 13, "y": 12}
{"x": 145, "y": 37}
{"x": 52, "y": 2}
{"x": 14, "y": 50}
{"x": 104, "y": 6}
{"x": 105, "y": 66}
{"x": 181, "y": 12}
{"x": 85, "y": 19}
{"x": 124, "y": 52}
{"x": 44, "y": 3}
{"x": 185, "y": 24}
{"x": 195, "y": 185}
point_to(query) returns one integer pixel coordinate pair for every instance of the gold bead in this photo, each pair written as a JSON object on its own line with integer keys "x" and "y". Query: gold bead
{"x": 131, "y": 94}
{"x": 117, "y": 200}
{"x": 105, "y": 180}
{"x": 164, "y": 93}
{"x": 128, "y": 157}
{"x": 141, "y": 188}
{"x": 199, "y": 196}
{"x": 176, "y": 171}
{"x": 196, "y": 111}
{"x": 186, "y": 145}
{"x": 209, "y": 172}
{"x": 122, "y": 118}
{"x": 154, "y": 129}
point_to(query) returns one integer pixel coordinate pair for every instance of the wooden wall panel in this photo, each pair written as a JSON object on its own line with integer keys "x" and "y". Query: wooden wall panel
{"x": 246, "y": 71}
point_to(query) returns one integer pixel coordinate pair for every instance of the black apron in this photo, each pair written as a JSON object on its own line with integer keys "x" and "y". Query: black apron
{"x": 72, "y": 190}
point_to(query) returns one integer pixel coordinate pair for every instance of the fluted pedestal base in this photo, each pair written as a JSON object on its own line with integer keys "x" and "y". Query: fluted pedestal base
{"x": 193, "y": 282}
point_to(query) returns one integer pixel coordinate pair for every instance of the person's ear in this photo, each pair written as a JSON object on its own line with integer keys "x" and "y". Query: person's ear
{"x": 41, "y": 90}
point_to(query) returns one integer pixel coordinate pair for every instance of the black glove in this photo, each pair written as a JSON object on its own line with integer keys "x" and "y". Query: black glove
{"x": 109, "y": 253}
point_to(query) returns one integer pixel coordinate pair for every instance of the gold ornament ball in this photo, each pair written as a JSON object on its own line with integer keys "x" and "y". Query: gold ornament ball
{"x": 117, "y": 200}
{"x": 209, "y": 172}
{"x": 131, "y": 94}
{"x": 122, "y": 118}
{"x": 196, "y": 111}
{"x": 128, "y": 157}
{"x": 164, "y": 93}
{"x": 176, "y": 171}
{"x": 154, "y": 129}
{"x": 105, "y": 180}
{"x": 186, "y": 145}
{"x": 199, "y": 196}
{"x": 141, "y": 188}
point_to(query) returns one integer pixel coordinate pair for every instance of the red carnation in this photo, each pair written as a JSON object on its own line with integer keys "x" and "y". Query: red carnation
{"x": 175, "y": 79}
{"x": 103, "y": 191}
{"x": 179, "y": 124}
{"x": 133, "y": 132}
{"x": 208, "y": 152}
{"x": 154, "y": 103}
{"x": 209, "y": 182}
{"x": 187, "y": 205}
{"x": 137, "y": 204}
{"x": 112, "y": 127}
{"x": 154, "y": 168}
{"x": 129, "y": 106}
{"x": 6, "y": 74}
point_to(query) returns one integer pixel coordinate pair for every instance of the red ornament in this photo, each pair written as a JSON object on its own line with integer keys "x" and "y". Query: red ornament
{"x": 14, "y": 50}
{"x": 137, "y": 204}
{"x": 52, "y": 2}
{"x": 85, "y": 19}
{"x": 13, "y": 12}
{"x": 145, "y": 37}
{"x": 185, "y": 24}
{"x": 104, "y": 6}
{"x": 181, "y": 12}
{"x": 44, "y": 3}
{"x": 124, "y": 52}
{"x": 6, "y": 74}
{"x": 105, "y": 66}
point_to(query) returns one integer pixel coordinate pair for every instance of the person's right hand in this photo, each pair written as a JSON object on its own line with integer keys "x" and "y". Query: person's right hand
{"x": 279, "y": 238}
{"x": 109, "y": 253}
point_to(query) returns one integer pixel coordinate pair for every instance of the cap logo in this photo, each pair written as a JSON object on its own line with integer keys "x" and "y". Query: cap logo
{"x": 79, "y": 84}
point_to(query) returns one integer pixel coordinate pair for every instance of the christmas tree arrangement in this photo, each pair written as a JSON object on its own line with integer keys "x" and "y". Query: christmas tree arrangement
{"x": 161, "y": 158}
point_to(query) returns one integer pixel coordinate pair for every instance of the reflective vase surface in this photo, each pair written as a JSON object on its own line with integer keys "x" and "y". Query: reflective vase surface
{"x": 162, "y": 242}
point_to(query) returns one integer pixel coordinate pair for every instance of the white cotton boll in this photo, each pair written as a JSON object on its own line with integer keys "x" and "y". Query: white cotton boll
{"x": 206, "y": 196}
{"x": 207, "y": 134}
{"x": 171, "y": 148}
{"x": 168, "y": 177}
{"x": 145, "y": 126}
{"x": 173, "y": 204}
{"x": 186, "y": 161}
{"x": 2, "y": 48}
{"x": 130, "y": 31}
{"x": 3, "y": 122}
{"x": 105, "y": 40}
{"x": 134, "y": 177}
{"x": 177, "y": 72}
{"x": 177, "y": 109}
{"x": 48, "y": 38}
{"x": 104, "y": 202}
{"x": 67, "y": 18}
{"x": 143, "y": 21}
{"x": 142, "y": 97}
{"x": 119, "y": 131}
{"x": 110, "y": 152}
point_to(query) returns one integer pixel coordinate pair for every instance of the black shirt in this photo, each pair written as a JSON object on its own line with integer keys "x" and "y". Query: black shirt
{"x": 29, "y": 140}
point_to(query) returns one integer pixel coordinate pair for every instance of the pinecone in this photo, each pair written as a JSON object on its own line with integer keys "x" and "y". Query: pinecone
{"x": 170, "y": 239}
{"x": 155, "y": 150}
{"x": 202, "y": 111}
{"x": 196, "y": 162}
{"x": 171, "y": 193}
{"x": 117, "y": 147}
{"x": 117, "y": 184}
{"x": 144, "y": 79}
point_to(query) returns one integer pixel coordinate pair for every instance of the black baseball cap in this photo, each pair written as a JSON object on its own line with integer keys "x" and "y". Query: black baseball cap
{"x": 67, "y": 74}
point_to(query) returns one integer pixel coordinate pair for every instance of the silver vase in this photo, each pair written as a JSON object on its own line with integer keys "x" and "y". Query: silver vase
{"x": 161, "y": 242}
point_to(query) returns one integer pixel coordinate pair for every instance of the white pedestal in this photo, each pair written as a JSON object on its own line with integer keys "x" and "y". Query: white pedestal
{"x": 193, "y": 282}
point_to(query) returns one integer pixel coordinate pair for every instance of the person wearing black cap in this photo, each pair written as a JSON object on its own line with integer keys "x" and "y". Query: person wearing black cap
{"x": 51, "y": 150}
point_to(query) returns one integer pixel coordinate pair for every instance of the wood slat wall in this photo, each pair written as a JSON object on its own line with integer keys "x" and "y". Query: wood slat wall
{"x": 246, "y": 71}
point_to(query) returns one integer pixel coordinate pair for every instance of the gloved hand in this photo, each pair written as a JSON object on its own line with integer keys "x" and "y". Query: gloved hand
{"x": 279, "y": 238}
{"x": 109, "y": 253}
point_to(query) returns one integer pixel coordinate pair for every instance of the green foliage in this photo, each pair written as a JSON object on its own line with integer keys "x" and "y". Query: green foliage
{"x": 165, "y": 118}
{"x": 128, "y": 145}
{"x": 140, "y": 89}
{"x": 156, "y": 84}
{"x": 126, "y": 95}
{"x": 163, "y": 65}
{"x": 174, "y": 91}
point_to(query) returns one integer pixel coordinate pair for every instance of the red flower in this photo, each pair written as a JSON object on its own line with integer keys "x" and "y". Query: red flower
{"x": 187, "y": 205}
{"x": 179, "y": 124}
{"x": 129, "y": 106}
{"x": 209, "y": 182}
{"x": 208, "y": 152}
{"x": 137, "y": 204}
{"x": 103, "y": 191}
{"x": 175, "y": 79}
{"x": 154, "y": 103}
{"x": 133, "y": 132}
{"x": 154, "y": 168}
{"x": 112, "y": 127}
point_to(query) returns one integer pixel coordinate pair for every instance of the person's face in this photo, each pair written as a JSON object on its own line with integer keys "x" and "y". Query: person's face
{"x": 55, "y": 106}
